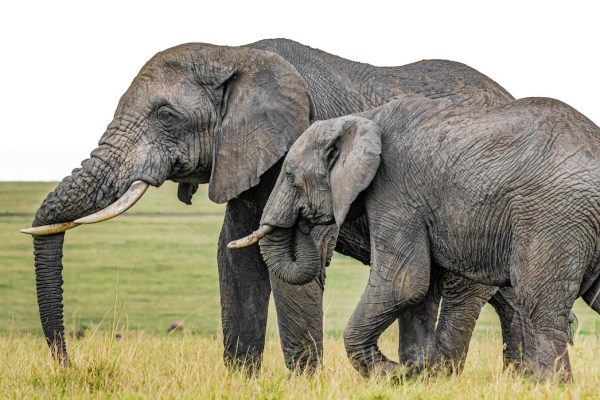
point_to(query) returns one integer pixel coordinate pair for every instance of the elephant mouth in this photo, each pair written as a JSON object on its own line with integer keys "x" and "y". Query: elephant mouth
{"x": 321, "y": 219}
{"x": 135, "y": 192}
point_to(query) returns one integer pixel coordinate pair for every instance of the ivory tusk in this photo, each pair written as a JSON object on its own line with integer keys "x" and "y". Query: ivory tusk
{"x": 49, "y": 229}
{"x": 133, "y": 194}
{"x": 252, "y": 238}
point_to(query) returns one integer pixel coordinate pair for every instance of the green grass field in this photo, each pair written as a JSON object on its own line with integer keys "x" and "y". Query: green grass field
{"x": 157, "y": 264}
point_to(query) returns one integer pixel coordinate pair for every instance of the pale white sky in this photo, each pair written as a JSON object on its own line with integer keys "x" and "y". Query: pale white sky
{"x": 64, "y": 65}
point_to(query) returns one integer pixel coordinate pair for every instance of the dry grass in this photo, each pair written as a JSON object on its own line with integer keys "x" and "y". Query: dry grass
{"x": 156, "y": 265}
{"x": 189, "y": 366}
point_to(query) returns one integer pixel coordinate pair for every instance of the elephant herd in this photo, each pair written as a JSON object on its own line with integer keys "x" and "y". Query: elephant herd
{"x": 454, "y": 193}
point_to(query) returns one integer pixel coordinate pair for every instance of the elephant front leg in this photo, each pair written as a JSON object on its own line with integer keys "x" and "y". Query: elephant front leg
{"x": 300, "y": 309}
{"x": 245, "y": 290}
{"x": 416, "y": 327}
{"x": 399, "y": 279}
{"x": 300, "y": 322}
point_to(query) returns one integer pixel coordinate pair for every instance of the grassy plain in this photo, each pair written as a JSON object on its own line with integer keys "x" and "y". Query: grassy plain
{"x": 157, "y": 264}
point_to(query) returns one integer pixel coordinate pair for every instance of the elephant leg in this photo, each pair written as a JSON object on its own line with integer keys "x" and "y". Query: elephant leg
{"x": 300, "y": 309}
{"x": 546, "y": 278}
{"x": 245, "y": 290}
{"x": 416, "y": 327}
{"x": 354, "y": 241}
{"x": 300, "y": 321}
{"x": 504, "y": 302}
{"x": 399, "y": 279}
{"x": 462, "y": 301}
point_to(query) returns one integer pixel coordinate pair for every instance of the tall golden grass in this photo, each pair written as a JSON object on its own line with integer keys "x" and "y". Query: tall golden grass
{"x": 188, "y": 366}
{"x": 156, "y": 265}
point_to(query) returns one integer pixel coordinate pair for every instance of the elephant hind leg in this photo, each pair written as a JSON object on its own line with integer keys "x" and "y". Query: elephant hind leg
{"x": 462, "y": 301}
{"x": 546, "y": 277}
{"x": 504, "y": 302}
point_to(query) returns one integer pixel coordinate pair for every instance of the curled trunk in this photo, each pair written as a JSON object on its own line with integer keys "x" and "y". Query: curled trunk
{"x": 291, "y": 255}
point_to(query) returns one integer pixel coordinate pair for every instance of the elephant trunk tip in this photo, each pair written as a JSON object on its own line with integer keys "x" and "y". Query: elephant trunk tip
{"x": 252, "y": 238}
{"x": 59, "y": 353}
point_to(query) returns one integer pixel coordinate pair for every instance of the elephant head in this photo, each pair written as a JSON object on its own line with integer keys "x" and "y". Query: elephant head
{"x": 322, "y": 175}
{"x": 196, "y": 113}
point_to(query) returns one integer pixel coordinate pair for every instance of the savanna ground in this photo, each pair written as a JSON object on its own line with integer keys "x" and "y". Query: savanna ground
{"x": 135, "y": 275}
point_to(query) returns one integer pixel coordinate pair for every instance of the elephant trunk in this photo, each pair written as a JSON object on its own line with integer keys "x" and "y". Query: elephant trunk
{"x": 85, "y": 191}
{"x": 291, "y": 255}
{"x": 48, "y": 279}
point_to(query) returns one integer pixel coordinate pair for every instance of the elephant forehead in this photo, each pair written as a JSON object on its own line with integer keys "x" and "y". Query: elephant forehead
{"x": 147, "y": 91}
{"x": 166, "y": 63}
{"x": 304, "y": 162}
{"x": 304, "y": 145}
{"x": 315, "y": 137}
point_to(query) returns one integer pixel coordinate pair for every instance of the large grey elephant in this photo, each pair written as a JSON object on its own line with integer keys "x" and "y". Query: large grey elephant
{"x": 226, "y": 116}
{"x": 502, "y": 196}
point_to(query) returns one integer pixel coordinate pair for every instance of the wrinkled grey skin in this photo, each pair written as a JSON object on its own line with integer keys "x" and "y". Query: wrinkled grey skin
{"x": 199, "y": 113}
{"x": 502, "y": 196}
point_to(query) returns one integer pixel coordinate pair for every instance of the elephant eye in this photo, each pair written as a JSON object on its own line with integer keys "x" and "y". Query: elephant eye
{"x": 322, "y": 182}
{"x": 167, "y": 116}
{"x": 289, "y": 177}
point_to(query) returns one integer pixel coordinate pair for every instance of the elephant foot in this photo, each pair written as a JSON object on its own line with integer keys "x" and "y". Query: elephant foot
{"x": 550, "y": 373}
{"x": 386, "y": 368}
{"x": 443, "y": 365}
{"x": 247, "y": 365}
{"x": 306, "y": 363}
{"x": 556, "y": 371}
{"x": 375, "y": 364}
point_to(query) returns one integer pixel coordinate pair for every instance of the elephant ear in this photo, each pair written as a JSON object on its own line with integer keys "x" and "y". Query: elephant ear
{"x": 265, "y": 107}
{"x": 354, "y": 154}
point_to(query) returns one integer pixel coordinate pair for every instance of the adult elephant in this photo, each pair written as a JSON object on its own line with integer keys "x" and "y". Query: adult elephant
{"x": 226, "y": 116}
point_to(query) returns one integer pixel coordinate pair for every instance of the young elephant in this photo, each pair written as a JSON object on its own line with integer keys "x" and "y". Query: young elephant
{"x": 503, "y": 196}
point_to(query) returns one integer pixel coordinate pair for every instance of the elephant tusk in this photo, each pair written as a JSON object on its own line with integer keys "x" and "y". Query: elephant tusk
{"x": 133, "y": 194}
{"x": 49, "y": 229}
{"x": 252, "y": 238}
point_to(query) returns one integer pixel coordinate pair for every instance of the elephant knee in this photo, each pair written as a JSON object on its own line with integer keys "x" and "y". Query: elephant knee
{"x": 407, "y": 288}
{"x": 409, "y": 293}
{"x": 351, "y": 344}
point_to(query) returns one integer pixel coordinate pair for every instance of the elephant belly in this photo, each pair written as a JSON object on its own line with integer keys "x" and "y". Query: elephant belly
{"x": 479, "y": 254}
